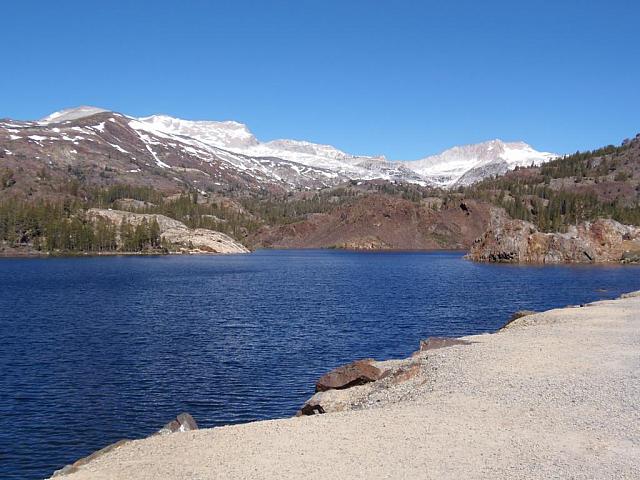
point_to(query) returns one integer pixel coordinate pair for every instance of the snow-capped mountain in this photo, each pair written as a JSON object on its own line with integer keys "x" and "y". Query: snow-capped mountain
{"x": 468, "y": 164}
{"x": 232, "y": 147}
{"x": 457, "y": 166}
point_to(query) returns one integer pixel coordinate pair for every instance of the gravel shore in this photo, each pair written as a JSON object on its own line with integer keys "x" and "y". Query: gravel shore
{"x": 554, "y": 395}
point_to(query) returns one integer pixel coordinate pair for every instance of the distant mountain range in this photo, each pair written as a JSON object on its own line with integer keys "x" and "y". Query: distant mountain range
{"x": 213, "y": 155}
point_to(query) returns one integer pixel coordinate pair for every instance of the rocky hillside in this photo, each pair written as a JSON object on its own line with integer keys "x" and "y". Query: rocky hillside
{"x": 517, "y": 241}
{"x": 103, "y": 149}
{"x": 585, "y": 186}
{"x": 384, "y": 222}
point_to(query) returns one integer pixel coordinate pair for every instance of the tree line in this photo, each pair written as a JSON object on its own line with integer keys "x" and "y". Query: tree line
{"x": 64, "y": 226}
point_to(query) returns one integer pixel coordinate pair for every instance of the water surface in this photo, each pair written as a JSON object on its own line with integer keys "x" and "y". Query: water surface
{"x": 98, "y": 349}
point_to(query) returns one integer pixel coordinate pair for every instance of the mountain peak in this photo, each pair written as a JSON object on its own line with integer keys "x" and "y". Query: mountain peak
{"x": 469, "y": 163}
{"x": 72, "y": 114}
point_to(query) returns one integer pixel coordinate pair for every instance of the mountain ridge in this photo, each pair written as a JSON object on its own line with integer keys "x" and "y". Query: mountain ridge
{"x": 459, "y": 165}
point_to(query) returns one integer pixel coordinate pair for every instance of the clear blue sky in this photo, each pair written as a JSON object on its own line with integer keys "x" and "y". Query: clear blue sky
{"x": 401, "y": 78}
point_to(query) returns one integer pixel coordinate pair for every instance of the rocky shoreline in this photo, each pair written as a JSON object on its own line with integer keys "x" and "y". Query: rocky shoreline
{"x": 335, "y": 392}
{"x": 516, "y": 241}
{"x": 505, "y": 241}
{"x": 549, "y": 395}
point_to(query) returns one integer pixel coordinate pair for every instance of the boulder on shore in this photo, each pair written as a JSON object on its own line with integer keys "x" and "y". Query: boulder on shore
{"x": 182, "y": 423}
{"x": 390, "y": 376}
{"x": 517, "y": 315}
{"x": 346, "y": 376}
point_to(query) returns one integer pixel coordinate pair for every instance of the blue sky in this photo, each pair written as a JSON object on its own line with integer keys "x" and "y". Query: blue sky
{"x": 401, "y": 78}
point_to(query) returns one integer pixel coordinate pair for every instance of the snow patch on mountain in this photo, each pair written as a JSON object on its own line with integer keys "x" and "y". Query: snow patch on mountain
{"x": 229, "y": 134}
{"x": 237, "y": 138}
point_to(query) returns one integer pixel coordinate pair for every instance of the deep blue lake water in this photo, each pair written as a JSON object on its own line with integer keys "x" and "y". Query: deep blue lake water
{"x": 98, "y": 349}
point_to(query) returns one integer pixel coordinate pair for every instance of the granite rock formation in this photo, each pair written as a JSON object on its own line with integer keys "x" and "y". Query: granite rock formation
{"x": 198, "y": 240}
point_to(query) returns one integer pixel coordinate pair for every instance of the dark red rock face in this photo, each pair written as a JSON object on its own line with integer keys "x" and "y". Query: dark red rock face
{"x": 382, "y": 222}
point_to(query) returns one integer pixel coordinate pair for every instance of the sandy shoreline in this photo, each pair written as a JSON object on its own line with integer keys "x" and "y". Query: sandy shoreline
{"x": 554, "y": 395}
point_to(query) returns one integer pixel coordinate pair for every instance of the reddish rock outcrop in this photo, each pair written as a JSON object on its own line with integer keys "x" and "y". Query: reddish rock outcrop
{"x": 517, "y": 241}
{"x": 383, "y": 222}
{"x": 380, "y": 378}
{"x": 346, "y": 376}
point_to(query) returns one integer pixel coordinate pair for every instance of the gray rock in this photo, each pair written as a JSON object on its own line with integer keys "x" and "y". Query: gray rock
{"x": 432, "y": 343}
{"x": 198, "y": 240}
{"x": 630, "y": 257}
{"x": 182, "y": 423}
